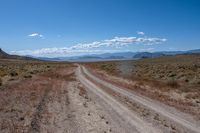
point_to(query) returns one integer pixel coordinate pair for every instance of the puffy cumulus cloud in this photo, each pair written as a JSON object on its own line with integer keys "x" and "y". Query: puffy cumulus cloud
{"x": 36, "y": 35}
{"x": 140, "y": 33}
{"x": 93, "y": 47}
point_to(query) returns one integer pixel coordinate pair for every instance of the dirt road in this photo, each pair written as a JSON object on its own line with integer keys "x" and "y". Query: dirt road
{"x": 129, "y": 120}
{"x": 160, "y": 118}
{"x": 72, "y": 100}
{"x": 55, "y": 102}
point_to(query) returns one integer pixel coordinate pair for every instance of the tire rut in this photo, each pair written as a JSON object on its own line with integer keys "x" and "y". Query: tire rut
{"x": 130, "y": 121}
{"x": 35, "y": 122}
{"x": 176, "y": 122}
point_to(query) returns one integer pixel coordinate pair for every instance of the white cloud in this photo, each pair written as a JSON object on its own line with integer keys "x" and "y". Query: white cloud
{"x": 59, "y": 52}
{"x": 120, "y": 42}
{"x": 151, "y": 41}
{"x": 93, "y": 47}
{"x": 140, "y": 33}
{"x": 36, "y": 35}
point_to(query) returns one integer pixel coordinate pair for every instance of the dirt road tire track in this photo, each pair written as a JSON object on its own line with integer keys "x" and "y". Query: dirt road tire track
{"x": 130, "y": 121}
{"x": 181, "y": 123}
{"x": 35, "y": 122}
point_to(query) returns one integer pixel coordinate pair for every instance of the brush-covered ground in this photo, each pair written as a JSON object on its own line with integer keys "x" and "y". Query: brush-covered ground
{"x": 45, "y": 97}
{"x": 26, "y": 89}
{"x": 12, "y": 70}
{"x": 173, "y": 80}
{"x": 55, "y": 97}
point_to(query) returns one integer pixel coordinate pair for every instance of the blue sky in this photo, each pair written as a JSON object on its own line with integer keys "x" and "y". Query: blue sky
{"x": 75, "y": 27}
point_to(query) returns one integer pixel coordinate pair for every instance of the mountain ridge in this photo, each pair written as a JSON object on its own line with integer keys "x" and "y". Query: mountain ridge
{"x": 123, "y": 55}
{"x": 4, "y": 55}
{"x": 104, "y": 56}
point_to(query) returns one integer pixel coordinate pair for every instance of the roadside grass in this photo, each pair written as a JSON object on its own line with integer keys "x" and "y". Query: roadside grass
{"x": 11, "y": 70}
{"x": 173, "y": 80}
{"x": 180, "y": 72}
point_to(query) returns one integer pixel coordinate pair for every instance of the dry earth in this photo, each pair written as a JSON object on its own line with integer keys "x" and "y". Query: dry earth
{"x": 171, "y": 80}
{"x": 153, "y": 113}
{"x": 53, "y": 101}
{"x": 67, "y": 98}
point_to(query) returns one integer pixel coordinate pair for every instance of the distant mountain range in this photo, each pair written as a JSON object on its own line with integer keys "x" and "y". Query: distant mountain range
{"x": 148, "y": 55}
{"x": 102, "y": 57}
{"x": 122, "y": 56}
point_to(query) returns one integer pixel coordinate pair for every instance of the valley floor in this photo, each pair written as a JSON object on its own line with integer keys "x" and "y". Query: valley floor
{"x": 73, "y": 100}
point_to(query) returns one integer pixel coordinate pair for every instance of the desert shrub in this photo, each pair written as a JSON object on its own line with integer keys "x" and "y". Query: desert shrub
{"x": 191, "y": 96}
{"x": 13, "y": 73}
{"x": 27, "y": 76}
{"x": 0, "y": 82}
{"x": 173, "y": 84}
{"x": 11, "y": 79}
{"x": 186, "y": 80}
{"x": 172, "y": 75}
{"x": 31, "y": 72}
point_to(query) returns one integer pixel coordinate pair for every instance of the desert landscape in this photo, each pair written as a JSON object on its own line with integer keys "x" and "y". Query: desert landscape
{"x": 99, "y": 66}
{"x": 148, "y": 95}
{"x": 173, "y": 80}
